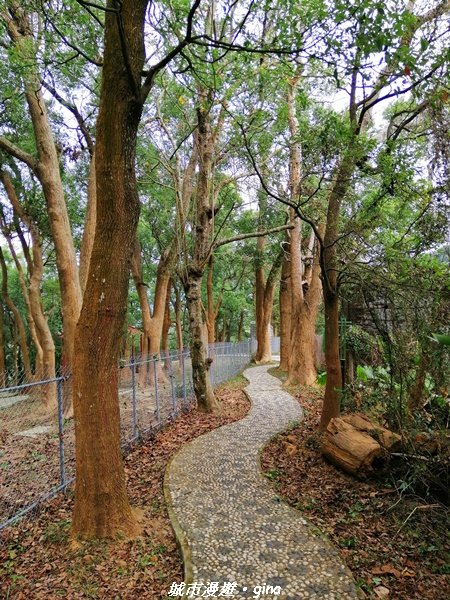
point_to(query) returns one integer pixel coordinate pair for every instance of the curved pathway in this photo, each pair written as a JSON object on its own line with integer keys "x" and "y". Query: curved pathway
{"x": 229, "y": 522}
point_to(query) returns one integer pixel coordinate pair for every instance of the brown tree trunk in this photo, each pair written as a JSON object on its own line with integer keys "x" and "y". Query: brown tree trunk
{"x": 302, "y": 363}
{"x": 89, "y": 226}
{"x": 22, "y": 335}
{"x": 101, "y": 505}
{"x": 2, "y": 351}
{"x": 204, "y": 393}
{"x": 47, "y": 169}
{"x": 285, "y": 310}
{"x": 178, "y": 323}
{"x": 331, "y": 401}
{"x": 35, "y": 266}
{"x": 262, "y": 335}
{"x": 38, "y": 374}
{"x": 165, "y": 329}
{"x": 211, "y": 310}
{"x": 240, "y": 331}
{"x": 263, "y": 352}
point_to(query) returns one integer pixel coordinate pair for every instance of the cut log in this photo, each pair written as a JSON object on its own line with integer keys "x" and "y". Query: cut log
{"x": 388, "y": 439}
{"x": 355, "y": 452}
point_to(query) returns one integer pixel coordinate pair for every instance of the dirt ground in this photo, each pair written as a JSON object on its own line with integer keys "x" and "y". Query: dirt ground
{"x": 38, "y": 559}
{"x": 396, "y": 545}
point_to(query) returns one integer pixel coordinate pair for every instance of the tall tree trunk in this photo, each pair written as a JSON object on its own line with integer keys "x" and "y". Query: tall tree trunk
{"x": 38, "y": 374}
{"x": 206, "y": 138}
{"x": 101, "y": 504}
{"x": 211, "y": 310}
{"x": 47, "y": 169}
{"x": 262, "y": 333}
{"x": 178, "y": 323}
{"x": 2, "y": 350}
{"x": 89, "y": 226}
{"x": 21, "y": 332}
{"x": 285, "y": 310}
{"x": 240, "y": 330}
{"x": 264, "y": 352}
{"x": 331, "y": 402}
{"x": 35, "y": 266}
{"x": 165, "y": 329}
{"x": 204, "y": 392}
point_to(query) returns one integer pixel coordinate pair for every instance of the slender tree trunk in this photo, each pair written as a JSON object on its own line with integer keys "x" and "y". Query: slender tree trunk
{"x": 89, "y": 226}
{"x": 206, "y": 400}
{"x": 2, "y": 350}
{"x": 260, "y": 285}
{"x": 48, "y": 173}
{"x": 178, "y": 322}
{"x": 21, "y": 332}
{"x": 200, "y": 363}
{"x": 211, "y": 310}
{"x": 240, "y": 331}
{"x": 285, "y": 310}
{"x": 38, "y": 366}
{"x": 165, "y": 330}
{"x": 101, "y": 505}
{"x": 47, "y": 169}
{"x": 264, "y": 353}
{"x": 331, "y": 402}
{"x": 35, "y": 266}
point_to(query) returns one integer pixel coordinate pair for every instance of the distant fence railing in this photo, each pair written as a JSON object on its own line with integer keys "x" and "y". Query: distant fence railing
{"x": 37, "y": 443}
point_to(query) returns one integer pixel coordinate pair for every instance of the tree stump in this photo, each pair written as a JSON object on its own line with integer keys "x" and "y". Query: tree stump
{"x": 387, "y": 439}
{"x": 354, "y": 451}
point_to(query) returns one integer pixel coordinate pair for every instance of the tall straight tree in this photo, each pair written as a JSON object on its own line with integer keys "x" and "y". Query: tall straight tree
{"x": 101, "y": 503}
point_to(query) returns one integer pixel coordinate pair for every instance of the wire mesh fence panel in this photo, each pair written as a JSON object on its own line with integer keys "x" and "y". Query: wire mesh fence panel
{"x": 37, "y": 433}
{"x": 30, "y": 458}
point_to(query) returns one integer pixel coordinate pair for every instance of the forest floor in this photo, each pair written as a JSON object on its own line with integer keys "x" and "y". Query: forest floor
{"x": 396, "y": 545}
{"x": 38, "y": 559}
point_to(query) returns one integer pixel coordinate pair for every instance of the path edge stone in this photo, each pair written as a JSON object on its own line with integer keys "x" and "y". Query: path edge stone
{"x": 180, "y": 536}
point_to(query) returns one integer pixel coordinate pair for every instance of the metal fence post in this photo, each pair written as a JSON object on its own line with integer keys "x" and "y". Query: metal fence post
{"x": 62, "y": 466}
{"x": 155, "y": 380}
{"x": 183, "y": 374}
{"x": 133, "y": 390}
{"x": 172, "y": 387}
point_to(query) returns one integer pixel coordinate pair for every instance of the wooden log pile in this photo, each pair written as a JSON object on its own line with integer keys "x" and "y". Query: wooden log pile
{"x": 357, "y": 445}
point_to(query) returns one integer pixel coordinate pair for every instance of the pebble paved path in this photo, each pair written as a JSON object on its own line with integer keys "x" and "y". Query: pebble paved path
{"x": 231, "y": 525}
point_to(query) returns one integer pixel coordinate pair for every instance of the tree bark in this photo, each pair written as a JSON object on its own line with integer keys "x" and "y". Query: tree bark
{"x": 206, "y": 139}
{"x": 101, "y": 506}
{"x": 47, "y": 169}
{"x": 167, "y": 322}
{"x": 264, "y": 352}
{"x": 2, "y": 350}
{"x": 89, "y": 226}
{"x": 211, "y": 310}
{"x": 240, "y": 331}
{"x": 178, "y": 322}
{"x": 285, "y": 310}
{"x": 331, "y": 402}
{"x": 22, "y": 334}
{"x": 35, "y": 266}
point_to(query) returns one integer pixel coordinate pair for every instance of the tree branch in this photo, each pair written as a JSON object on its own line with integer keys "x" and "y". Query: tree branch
{"x": 18, "y": 153}
{"x": 153, "y": 71}
{"x": 76, "y": 113}
{"x": 253, "y": 234}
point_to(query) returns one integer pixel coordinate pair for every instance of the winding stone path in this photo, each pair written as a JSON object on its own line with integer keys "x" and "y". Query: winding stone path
{"x": 231, "y": 525}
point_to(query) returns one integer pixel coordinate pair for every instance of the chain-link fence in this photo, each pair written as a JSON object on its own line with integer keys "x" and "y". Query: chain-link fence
{"x": 37, "y": 439}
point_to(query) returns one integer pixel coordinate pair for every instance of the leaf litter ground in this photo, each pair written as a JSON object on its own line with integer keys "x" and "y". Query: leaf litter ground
{"x": 397, "y": 546}
{"x": 38, "y": 560}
